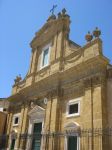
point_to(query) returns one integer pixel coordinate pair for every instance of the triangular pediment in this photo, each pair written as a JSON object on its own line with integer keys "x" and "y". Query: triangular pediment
{"x": 37, "y": 110}
{"x": 72, "y": 125}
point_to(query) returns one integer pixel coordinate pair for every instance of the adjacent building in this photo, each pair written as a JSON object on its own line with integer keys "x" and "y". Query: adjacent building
{"x": 3, "y": 119}
{"x": 4, "y": 104}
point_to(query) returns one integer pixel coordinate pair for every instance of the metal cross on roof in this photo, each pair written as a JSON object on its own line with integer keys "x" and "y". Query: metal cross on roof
{"x": 52, "y": 10}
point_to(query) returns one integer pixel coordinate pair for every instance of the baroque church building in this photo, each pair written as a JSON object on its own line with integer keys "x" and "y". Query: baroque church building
{"x": 65, "y": 100}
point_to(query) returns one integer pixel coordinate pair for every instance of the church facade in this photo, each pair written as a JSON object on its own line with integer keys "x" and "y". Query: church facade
{"x": 67, "y": 89}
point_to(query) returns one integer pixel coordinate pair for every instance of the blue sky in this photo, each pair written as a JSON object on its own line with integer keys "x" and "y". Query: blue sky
{"x": 20, "y": 19}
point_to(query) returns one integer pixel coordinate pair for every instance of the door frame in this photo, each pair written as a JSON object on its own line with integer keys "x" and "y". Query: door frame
{"x": 36, "y": 115}
{"x": 41, "y": 132}
{"x": 72, "y": 127}
{"x": 66, "y": 142}
{"x": 14, "y": 143}
{"x": 30, "y": 131}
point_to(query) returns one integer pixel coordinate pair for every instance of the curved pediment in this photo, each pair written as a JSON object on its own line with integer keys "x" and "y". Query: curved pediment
{"x": 50, "y": 29}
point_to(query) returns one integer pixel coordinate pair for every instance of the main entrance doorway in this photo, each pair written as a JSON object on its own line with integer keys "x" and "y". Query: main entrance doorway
{"x": 12, "y": 144}
{"x": 36, "y": 143}
{"x": 72, "y": 143}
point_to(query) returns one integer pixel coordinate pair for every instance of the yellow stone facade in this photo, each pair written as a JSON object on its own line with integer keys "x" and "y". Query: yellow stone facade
{"x": 75, "y": 74}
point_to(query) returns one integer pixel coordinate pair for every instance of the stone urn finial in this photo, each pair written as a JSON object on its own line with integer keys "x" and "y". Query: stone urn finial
{"x": 88, "y": 37}
{"x": 97, "y": 32}
{"x": 59, "y": 15}
{"x": 18, "y": 79}
{"x": 63, "y": 11}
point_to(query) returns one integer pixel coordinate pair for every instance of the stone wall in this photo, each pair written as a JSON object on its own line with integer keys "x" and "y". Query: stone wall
{"x": 109, "y": 101}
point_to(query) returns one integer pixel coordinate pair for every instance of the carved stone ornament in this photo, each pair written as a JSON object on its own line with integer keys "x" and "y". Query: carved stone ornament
{"x": 97, "y": 32}
{"x": 63, "y": 13}
{"x": 52, "y": 17}
{"x": 88, "y": 37}
{"x": 32, "y": 105}
{"x": 59, "y": 15}
{"x": 36, "y": 113}
{"x": 18, "y": 79}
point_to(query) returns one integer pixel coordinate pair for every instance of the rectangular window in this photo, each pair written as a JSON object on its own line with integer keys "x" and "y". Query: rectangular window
{"x": 16, "y": 119}
{"x": 73, "y": 108}
{"x": 45, "y": 57}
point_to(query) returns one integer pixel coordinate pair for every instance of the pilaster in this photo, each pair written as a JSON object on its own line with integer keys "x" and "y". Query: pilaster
{"x": 22, "y": 143}
{"x": 9, "y": 125}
